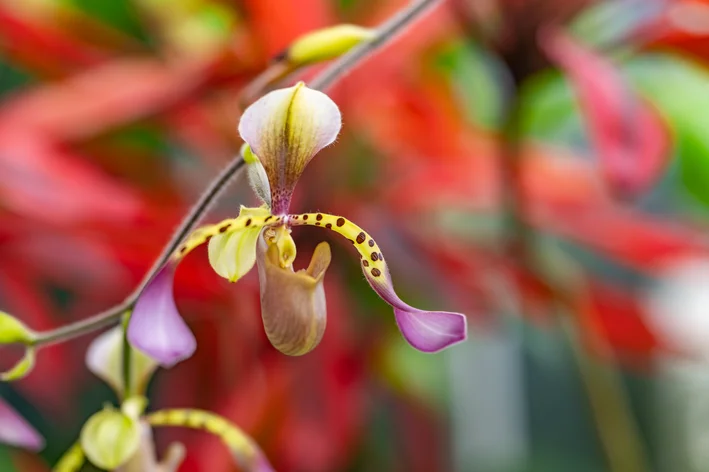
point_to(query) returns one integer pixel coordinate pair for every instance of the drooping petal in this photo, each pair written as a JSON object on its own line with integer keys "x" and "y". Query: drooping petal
{"x": 105, "y": 359}
{"x": 293, "y": 304}
{"x": 427, "y": 331}
{"x": 285, "y": 129}
{"x": 14, "y": 430}
{"x": 629, "y": 137}
{"x": 244, "y": 450}
{"x": 156, "y": 327}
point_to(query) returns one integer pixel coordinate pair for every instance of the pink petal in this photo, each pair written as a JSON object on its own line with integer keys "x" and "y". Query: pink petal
{"x": 427, "y": 331}
{"x": 156, "y": 327}
{"x": 14, "y": 430}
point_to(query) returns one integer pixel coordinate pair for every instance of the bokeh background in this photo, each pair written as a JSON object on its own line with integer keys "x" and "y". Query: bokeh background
{"x": 540, "y": 165}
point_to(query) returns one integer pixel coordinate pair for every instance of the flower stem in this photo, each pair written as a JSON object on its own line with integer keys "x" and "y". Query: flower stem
{"x": 327, "y": 78}
{"x": 113, "y": 314}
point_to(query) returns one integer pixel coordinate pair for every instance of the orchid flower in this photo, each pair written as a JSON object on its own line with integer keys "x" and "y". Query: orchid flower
{"x": 282, "y": 131}
{"x": 121, "y": 439}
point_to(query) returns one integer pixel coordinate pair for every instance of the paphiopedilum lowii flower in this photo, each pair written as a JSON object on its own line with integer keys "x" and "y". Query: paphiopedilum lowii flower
{"x": 121, "y": 439}
{"x": 283, "y": 131}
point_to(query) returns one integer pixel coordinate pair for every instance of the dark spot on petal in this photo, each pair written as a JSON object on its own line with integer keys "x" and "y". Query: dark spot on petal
{"x": 295, "y": 217}
{"x": 376, "y": 272}
{"x": 225, "y": 228}
{"x": 183, "y": 249}
{"x": 268, "y": 218}
{"x": 328, "y": 226}
{"x": 375, "y": 256}
{"x": 319, "y": 217}
{"x": 317, "y": 224}
{"x": 305, "y": 217}
{"x": 365, "y": 263}
{"x": 361, "y": 237}
{"x": 248, "y": 222}
{"x": 371, "y": 243}
{"x": 340, "y": 221}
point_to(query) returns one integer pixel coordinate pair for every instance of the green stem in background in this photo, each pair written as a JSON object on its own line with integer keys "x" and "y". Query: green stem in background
{"x": 326, "y": 79}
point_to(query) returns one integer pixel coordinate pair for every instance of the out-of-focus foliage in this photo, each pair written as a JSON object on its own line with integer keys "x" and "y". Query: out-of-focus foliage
{"x": 115, "y": 114}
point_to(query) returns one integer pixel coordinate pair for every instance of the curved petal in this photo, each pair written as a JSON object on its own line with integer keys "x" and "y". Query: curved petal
{"x": 293, "y": 304}
{"x": 14, "y": 430}
{"x": 427, "y": 331}
{"x": 285, "y": 129}
{"x": 244, "y": 450}
{"x": 105, "y": 359}
{"x": 156, "y": 327}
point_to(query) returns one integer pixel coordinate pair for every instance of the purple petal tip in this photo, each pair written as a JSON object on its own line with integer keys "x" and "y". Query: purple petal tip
{"x": 431, "y": 331}
{"x": 14, "y": 430}
{"x": 156, "y": 327}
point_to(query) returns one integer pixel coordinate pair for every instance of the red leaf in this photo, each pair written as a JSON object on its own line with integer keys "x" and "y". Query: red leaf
{"x": 630, "y": 140}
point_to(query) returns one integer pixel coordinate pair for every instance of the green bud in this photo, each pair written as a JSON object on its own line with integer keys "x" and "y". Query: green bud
{"x": 327, "y": 43}
{"x": 20, "y": 369}
{"x": 13, "y": 331}
{"x": 110, "y": 438}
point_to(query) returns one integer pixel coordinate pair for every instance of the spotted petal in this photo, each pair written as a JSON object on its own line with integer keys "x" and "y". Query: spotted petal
{"x": 285, "y": 129}
{"x": 156, "y": 327}
{"x": 427, "y": 331}
{"x": 14, "y": 430}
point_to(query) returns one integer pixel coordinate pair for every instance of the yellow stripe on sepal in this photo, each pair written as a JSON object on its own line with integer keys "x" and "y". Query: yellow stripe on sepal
{"x": 71, "y": 461}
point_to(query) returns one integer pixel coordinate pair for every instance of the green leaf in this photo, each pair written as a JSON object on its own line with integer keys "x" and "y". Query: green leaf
{"x": 474, "y": 76}
{"x": 680, "y": 90}
{"x": 6, "y": 461}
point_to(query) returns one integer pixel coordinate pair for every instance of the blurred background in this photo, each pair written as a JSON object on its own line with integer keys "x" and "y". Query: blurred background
{"x": 540, "y": 165}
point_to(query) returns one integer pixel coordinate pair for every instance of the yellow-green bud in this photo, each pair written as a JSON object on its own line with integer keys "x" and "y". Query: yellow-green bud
{"x": 327, "y": 43}
{"x": 110, "y": 438}
{"x": 13, "y": 331}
